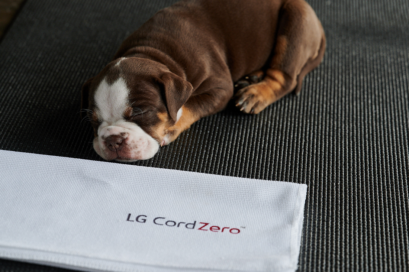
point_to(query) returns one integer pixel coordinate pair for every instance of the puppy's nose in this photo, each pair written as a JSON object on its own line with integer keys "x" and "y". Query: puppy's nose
{"x": 114, "y": 142}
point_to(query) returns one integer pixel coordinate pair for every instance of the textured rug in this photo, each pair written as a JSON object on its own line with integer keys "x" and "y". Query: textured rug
{"x": 346, "y": 136}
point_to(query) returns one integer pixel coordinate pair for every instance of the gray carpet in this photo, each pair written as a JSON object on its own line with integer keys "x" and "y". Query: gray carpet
{"x": 346, "y": 135}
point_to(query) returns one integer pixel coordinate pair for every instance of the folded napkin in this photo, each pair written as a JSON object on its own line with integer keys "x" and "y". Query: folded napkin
{"x": 100, "y": 216}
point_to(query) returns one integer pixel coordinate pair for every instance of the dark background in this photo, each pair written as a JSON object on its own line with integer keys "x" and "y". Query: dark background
{"x": 346, "y": 136}
{"x": 8, "y": 10}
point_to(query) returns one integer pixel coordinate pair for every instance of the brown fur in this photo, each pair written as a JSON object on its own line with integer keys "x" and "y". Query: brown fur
{"x": 160, "y": 130}
{"x": 186, "y": 120}
{"x": 190, "y": 54}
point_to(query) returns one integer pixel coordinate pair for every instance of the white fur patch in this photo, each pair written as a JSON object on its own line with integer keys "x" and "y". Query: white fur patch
{"x": 111, "y": 100}
{"x": 119, "y": 62}
{"x": 179, "y": 114}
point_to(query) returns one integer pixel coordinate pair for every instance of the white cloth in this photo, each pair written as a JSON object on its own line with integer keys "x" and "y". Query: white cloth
{"x": 82, "y": 214}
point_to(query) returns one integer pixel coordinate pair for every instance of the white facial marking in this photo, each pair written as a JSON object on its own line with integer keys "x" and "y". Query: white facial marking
{"x": 111, "y": 101}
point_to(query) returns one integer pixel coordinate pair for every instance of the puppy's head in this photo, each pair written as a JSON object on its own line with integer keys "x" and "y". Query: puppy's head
{"x": 131, "y": 103}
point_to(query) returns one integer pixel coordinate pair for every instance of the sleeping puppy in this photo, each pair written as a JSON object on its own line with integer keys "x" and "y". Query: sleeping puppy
{"x": 181, "y": 65}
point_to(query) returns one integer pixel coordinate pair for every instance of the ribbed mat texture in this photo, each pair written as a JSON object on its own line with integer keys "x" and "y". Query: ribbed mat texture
{"x": 346, "y": 136}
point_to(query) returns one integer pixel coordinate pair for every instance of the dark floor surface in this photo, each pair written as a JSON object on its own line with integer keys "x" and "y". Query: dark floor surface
{"x": 346, "y": 136}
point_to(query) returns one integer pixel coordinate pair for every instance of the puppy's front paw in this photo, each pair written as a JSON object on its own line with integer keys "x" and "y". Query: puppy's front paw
{"x": 254, "y": 98}
{"x": 170, "y": 135}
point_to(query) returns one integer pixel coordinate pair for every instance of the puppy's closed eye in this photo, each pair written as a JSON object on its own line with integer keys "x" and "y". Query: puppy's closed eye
{"x": 138, "y": 113}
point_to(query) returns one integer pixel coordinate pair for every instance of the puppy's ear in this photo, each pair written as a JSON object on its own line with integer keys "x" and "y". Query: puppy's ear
{"x": 177, "y": 92}
{"x": 84, "y": 97}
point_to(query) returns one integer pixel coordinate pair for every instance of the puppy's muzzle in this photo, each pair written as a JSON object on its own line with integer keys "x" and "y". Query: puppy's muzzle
{"x": 124, "y": 141}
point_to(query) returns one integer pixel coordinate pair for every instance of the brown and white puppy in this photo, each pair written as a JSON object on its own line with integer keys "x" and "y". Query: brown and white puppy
{"x": 181, "y": 64}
